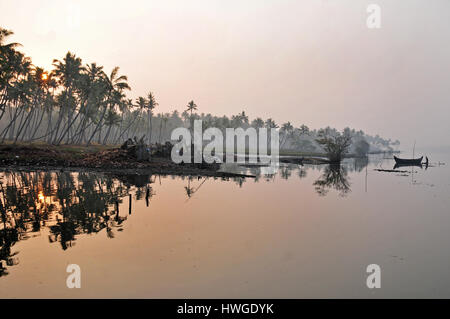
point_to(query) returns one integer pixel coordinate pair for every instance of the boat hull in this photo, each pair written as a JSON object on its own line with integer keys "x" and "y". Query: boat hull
{"x": 408, "y": 161}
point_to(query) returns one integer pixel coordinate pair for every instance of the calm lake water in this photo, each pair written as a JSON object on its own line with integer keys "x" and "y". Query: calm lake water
{"x": 305, "y": 232}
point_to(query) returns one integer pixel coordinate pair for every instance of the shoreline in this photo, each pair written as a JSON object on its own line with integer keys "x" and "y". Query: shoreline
{"x": 98, "y": 159}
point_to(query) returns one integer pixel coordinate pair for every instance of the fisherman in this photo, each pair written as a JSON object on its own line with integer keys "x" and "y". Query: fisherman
{"x": 426, "y": 161}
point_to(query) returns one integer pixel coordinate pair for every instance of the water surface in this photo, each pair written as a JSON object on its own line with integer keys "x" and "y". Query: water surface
{"x": 305, "y": 232}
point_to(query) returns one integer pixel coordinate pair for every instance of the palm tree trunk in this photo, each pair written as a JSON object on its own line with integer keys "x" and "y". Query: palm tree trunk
{"x": 98, "y": 125}
{"x": 149, "y": 127}
{"x": 160, "y": 129}
{"x": 37, "y": 126}
{"x": 107, "y": 135}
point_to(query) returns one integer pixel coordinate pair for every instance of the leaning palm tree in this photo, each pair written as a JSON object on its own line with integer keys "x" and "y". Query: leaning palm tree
{"x": 93, "y": 91}
{"x": 13, "y": 66}
{"x": 141, "y": 103}
{"x": 68, "y": 73}
{"x": 4, "y": 33}
{"x": 115, "y": 85}
{"x": 111, "y": 119}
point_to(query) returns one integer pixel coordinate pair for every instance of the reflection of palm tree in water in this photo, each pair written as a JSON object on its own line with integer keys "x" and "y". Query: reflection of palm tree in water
{"x": 69, "y": 205}
{"x": 286, "y": 172}
{"x": 333, "y": 177}
{"x": 8, "y": 237}
{"x": 301, "y": 172}
{"x": 190, "y": 190}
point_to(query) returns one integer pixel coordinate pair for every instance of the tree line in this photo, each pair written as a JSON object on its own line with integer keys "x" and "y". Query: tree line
{"x": 77, "y": 103}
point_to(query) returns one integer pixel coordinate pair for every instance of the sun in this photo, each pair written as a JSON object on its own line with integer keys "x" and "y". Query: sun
{"x": 41, "y": 196}
{"x": 44, "y": 76}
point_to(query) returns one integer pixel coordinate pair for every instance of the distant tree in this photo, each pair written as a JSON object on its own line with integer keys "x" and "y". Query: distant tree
{"x": 270, "y": 124}
{"x": 287, "y": 130}
{"x": 362, "y": 148}
{"x": 257, "y": 123}
{"x": 239, "y": 120}
{"x": 191, "y": 107}
{"x": 244, "y": 118}
{"x": 304, "y": 130}
{"x": 335, "y": 144}
{"x": 304, "y": 145}
{"x": 151, "y": 105}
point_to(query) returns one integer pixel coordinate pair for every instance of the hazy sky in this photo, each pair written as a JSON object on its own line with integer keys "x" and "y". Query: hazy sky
{"x": 312, "y": 61}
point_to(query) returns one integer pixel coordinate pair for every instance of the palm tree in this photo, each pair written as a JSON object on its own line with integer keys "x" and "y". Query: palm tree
{"x": 4, "y": 33}
{"x": 244, "y": 118}
{"x": 14, "y": 67}
{"x": 185, "y": 116}
{"x": 93, "y": 92}
{"x": 111, "y": 119}
{"x": 304, "y": 130}
{"x": 190, "y": 108}
{"x": 164, "y": 119}
{"x": 270, "y": 124}
{"x": 141, "y": 103}
{"x": 257, "y": 123}
{"x": 151, "y": 104}
{"x": 287, "y": 129}
{"x": 67, "y": 72}
{"x": 115, "y": 85}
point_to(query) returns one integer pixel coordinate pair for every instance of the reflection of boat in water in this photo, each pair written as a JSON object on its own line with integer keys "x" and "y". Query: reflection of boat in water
{"x": 406, "y": 165}
{"x": 408, "y": 161}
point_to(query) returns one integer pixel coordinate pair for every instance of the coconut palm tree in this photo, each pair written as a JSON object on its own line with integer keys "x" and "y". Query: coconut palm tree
{"x": 303, "y": 129}
{"x": 115, "y": 86}
{"x": 163, "y": 121}
{"x": 258, "y": 123}
{"x": 67, "y": 73}
{"x": 286, "y": 129}
{"x": 151, "y": 105}
{"x": 270, "y": 124}
{"x": 14, "y": 68}
{"x": 244, "y": 118}
{"x": 4, "y": 33}
{"x": 111, "y": 119}
{"x": 190, "y": 108}
{"x": 93, "y": 92}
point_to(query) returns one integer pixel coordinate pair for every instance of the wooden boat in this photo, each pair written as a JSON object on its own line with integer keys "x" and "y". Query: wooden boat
{"x": 408, "y": 161}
